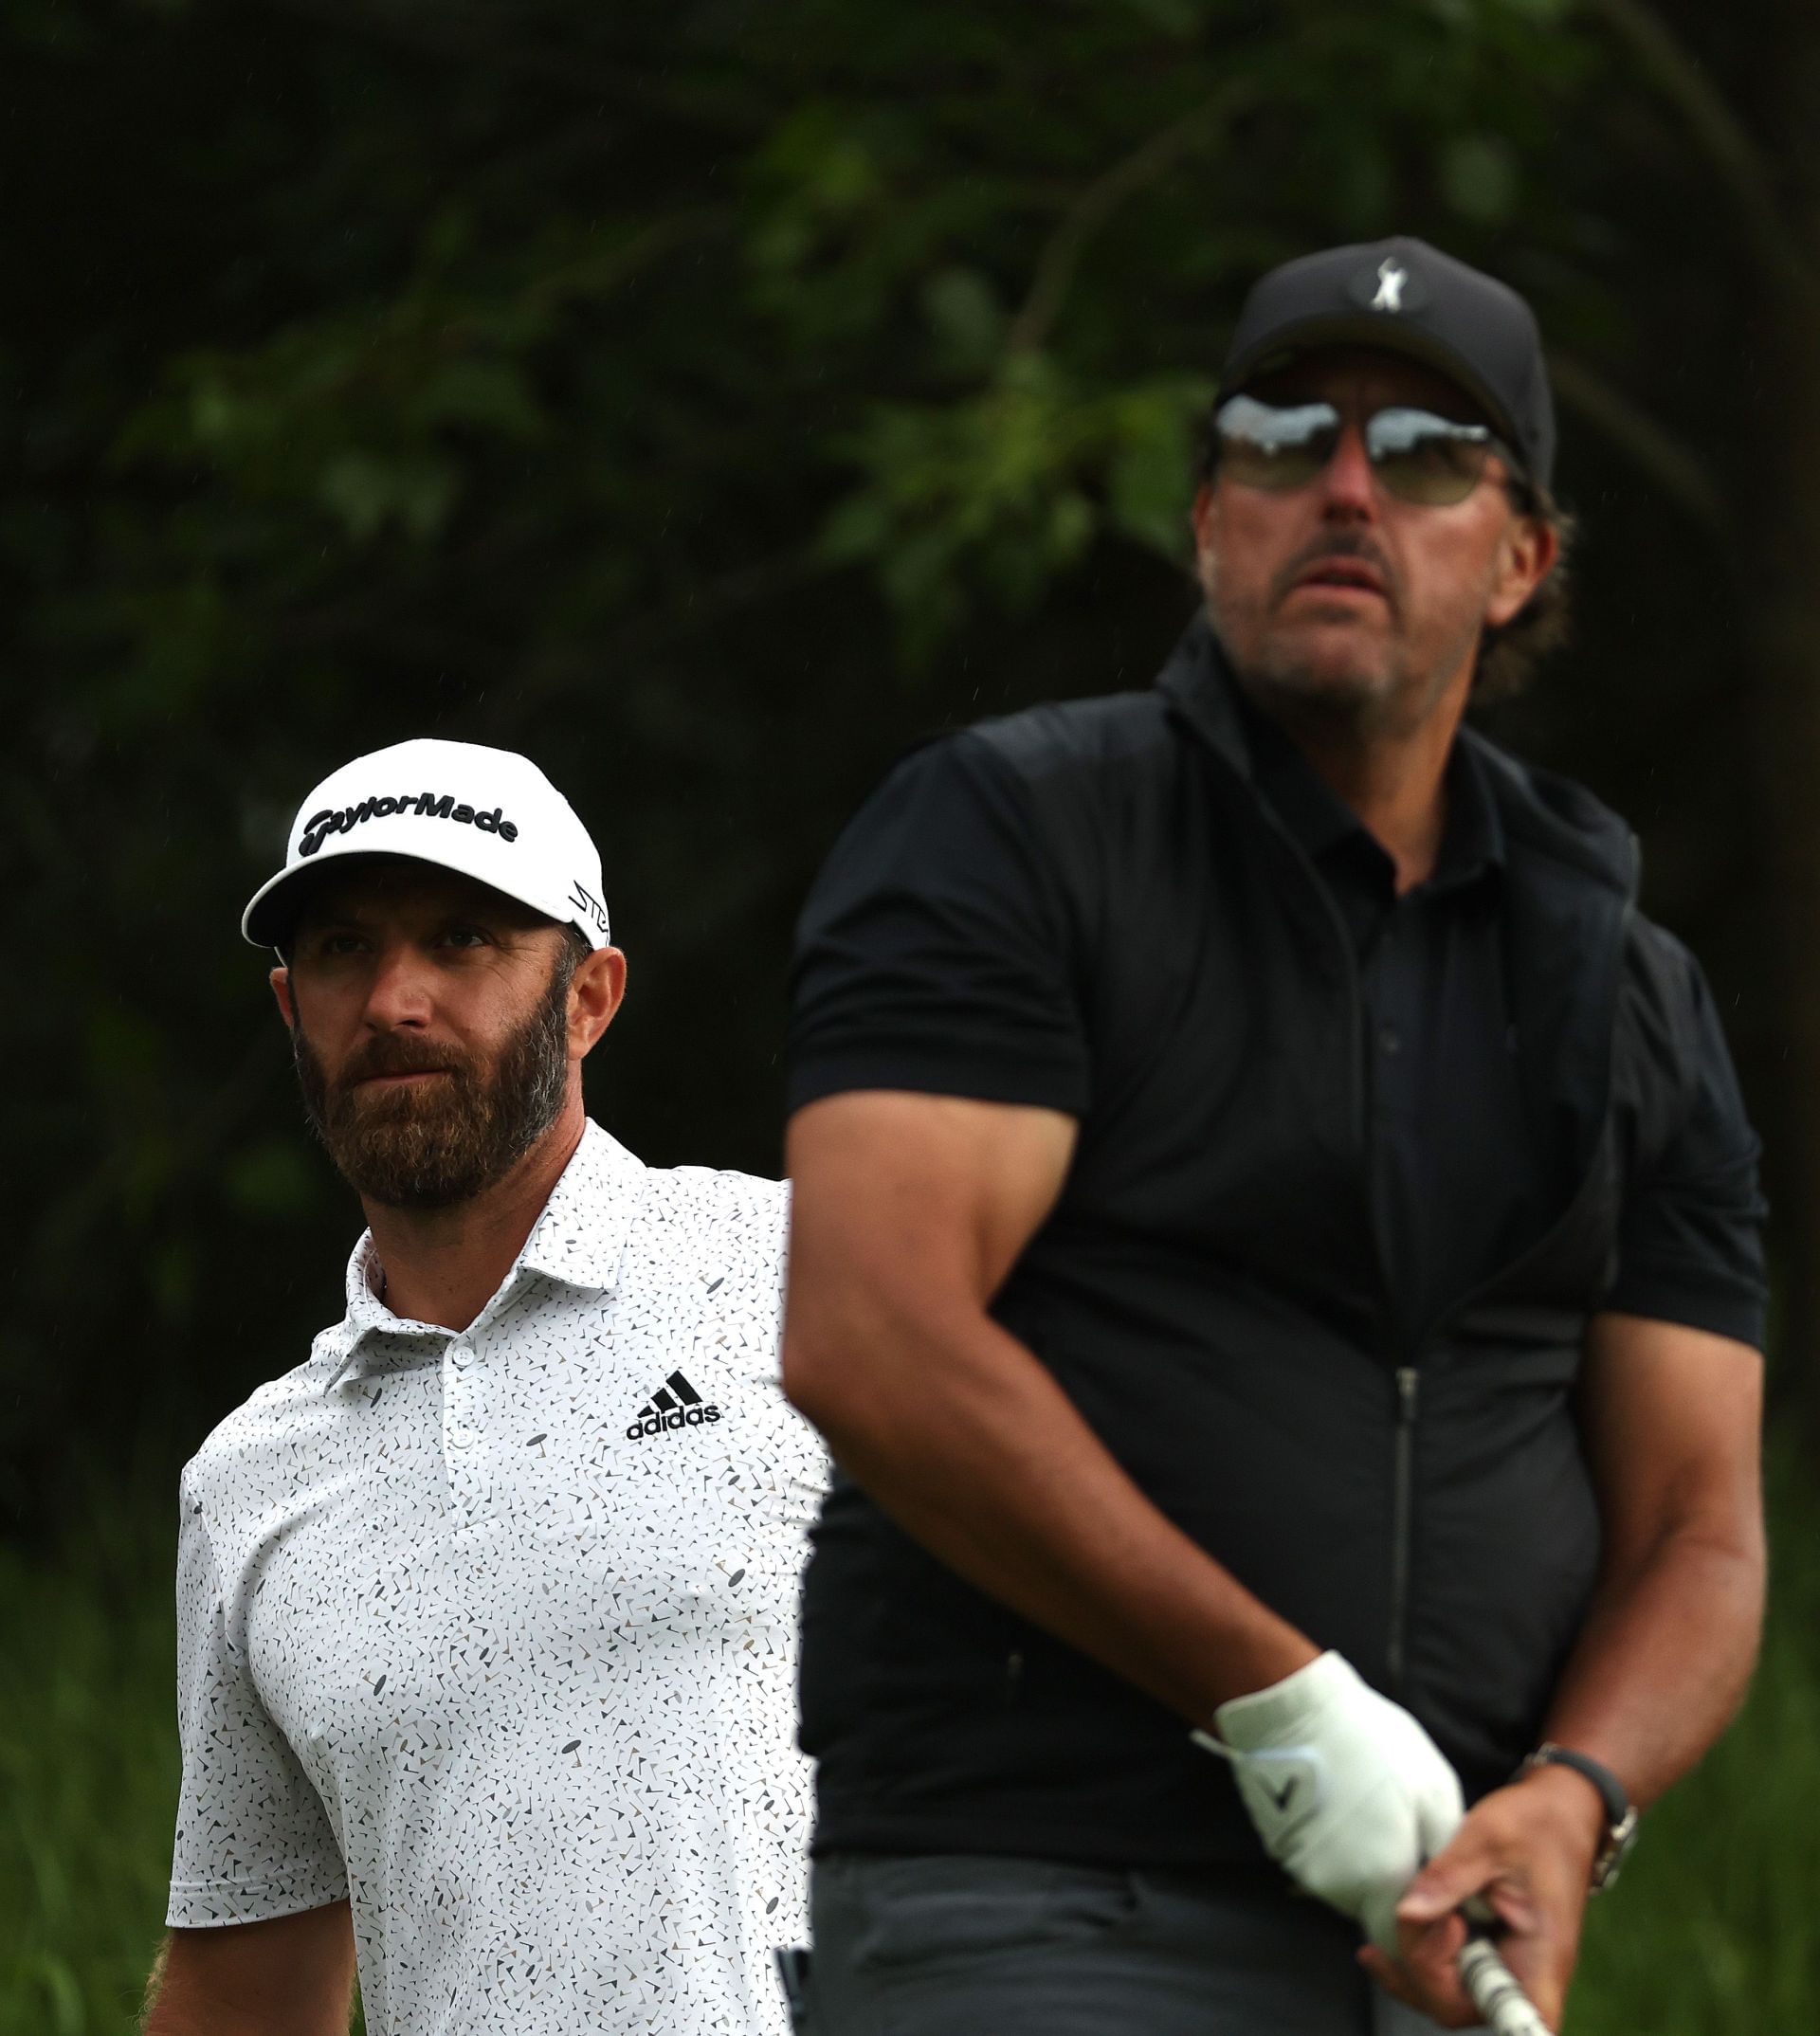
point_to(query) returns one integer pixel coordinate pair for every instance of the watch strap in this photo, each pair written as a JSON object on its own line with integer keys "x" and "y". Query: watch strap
{"x": 1620, "y": 1812}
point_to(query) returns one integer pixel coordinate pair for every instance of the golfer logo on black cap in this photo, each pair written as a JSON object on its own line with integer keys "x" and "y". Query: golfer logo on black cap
{"x": 1403, "y": 296}
{"x": 1391, "y": 275}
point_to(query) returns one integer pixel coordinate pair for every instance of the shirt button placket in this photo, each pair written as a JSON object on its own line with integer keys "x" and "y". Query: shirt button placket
{"x": 461, "y": 1422}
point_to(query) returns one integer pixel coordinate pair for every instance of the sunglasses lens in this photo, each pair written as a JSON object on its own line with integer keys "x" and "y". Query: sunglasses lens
{"x": 1265, "y": 446}
{"x": 1422, "y": 458}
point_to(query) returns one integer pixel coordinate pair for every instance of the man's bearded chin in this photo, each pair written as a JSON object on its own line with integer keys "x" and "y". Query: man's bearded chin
{"x": 431, "y": 1145}
{"x": 1347, "y": 697}
{"x": 1341, "y": 695}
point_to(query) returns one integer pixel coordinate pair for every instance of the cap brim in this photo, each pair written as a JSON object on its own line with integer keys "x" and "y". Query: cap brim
{"x": 1383, "y": 335}
{"x": 272, "y": 910}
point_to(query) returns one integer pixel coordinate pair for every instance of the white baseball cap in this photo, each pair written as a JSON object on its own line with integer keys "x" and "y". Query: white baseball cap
{"x": 490, "y": 814}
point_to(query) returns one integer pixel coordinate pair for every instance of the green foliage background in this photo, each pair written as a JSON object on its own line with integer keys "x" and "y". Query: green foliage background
{"x": 708, "y": 400}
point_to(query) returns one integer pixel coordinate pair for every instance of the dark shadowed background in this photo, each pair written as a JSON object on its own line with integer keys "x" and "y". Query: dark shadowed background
{"x": 709, "y": 399}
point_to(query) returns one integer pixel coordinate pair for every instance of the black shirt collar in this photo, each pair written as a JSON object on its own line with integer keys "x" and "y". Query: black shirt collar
{"x": 1537, "y": 813}
{"x": 1331, "y": 835}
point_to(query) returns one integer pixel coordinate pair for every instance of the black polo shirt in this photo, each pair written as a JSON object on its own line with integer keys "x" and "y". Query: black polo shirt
{"x": 1353, "y": 1174}
{"x": 914, "y": 971}
{"x": 1458, "y": 1172}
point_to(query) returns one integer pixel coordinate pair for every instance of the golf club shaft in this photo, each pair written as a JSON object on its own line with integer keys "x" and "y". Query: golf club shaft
{"x": 1501, "y": 2002}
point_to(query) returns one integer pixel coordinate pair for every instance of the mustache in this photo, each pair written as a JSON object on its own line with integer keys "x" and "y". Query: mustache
{"x": 397, "y": 1053}
{"x": 1337, "y": 544}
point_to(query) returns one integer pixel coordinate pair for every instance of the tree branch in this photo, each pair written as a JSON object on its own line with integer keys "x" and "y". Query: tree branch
{"x": 1089, "y": 213}
{"x": 1741, "y": 166}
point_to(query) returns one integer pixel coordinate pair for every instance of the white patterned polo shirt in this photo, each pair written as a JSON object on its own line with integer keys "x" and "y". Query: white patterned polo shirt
{"x": 495, "y": 1634}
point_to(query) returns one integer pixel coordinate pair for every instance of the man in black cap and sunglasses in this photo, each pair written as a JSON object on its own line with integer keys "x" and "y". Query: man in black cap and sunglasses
{"x": 1276, "y": 1256}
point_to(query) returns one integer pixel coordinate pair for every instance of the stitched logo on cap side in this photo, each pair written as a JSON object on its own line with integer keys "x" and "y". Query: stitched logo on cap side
{"x": 584, "y": 900}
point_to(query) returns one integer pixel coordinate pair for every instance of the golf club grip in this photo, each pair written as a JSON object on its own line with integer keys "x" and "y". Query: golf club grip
{"x": 1503, "y": 2004}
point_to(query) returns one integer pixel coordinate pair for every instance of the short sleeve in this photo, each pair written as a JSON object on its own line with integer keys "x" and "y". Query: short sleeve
{"x": 1690, "y": 1246}
{"x": 253, "y": 1841}
{"x": 935, "y": 952}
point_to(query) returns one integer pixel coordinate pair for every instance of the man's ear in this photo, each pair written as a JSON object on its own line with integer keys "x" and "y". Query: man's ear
{"x": 1198, "y": 515}
{"x": 594, "y": 995}
{"x": 1525, "y": 560}
{"x": 280, "y": 982}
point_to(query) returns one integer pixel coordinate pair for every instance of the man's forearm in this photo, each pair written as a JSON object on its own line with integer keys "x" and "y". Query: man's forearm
{"x": 1663, "y": 1659}
{"x": 967, "y": 1441}
{"x": 909, "y": 1212}
{"x": 291, "y": 1975}
{"x": 1672, "y": 1420}
{"x": 189, "y": 2007}
{"x": 189, "y": 2010}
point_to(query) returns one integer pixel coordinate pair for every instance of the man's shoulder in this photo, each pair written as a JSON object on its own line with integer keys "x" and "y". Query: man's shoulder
{"x": 1667, "y": 983}
{"x": 269, "y": 1422}
{"x": 1560, "y": 817}
{"x": 1066, "y": 770}
{"x": 1556, "y": 816}
{"x": 1078, "y": 738}
{"x": 715, "y": 1215}
{"x": 715, "y": 1193}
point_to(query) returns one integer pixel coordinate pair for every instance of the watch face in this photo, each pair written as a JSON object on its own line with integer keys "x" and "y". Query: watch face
{"x": 1616, "y": 1850}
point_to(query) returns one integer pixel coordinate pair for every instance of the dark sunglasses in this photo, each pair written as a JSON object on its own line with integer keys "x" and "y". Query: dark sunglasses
{"x": 1417, "y": 456}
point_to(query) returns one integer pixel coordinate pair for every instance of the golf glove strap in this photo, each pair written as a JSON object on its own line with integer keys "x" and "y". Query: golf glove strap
{"x": 1349, "y": 1793}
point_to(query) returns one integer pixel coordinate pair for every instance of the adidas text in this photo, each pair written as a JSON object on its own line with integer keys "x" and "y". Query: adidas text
{"x": 676, "y": 1404}
{"x": 679, "y": 1417}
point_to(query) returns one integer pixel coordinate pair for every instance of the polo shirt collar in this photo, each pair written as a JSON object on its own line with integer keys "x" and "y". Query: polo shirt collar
{"x": 1537, "y": 813}
{"x": 1323, "y": 822}
{"x": 1313, "y": 811}
{"x": 577, "y": 1240}
{"x": 1199, "y": 680}
{"x": 1199, "y": 688}
{"x": 1474, "y": 840}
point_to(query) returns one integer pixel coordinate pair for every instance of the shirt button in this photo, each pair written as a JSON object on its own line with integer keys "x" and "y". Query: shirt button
{"x": 459, "y": 1438}
{"x": 1389, "y": 1039}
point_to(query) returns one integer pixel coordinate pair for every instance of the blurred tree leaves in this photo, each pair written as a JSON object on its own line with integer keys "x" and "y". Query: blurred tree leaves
{"x": 705, "y": 399}
{"x": 1009, "y": 489}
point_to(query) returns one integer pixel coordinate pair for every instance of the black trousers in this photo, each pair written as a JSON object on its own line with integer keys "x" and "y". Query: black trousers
{"x": 960, "y": 1945}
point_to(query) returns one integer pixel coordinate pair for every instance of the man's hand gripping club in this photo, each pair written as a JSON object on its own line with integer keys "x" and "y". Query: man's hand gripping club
{"x": 1353, "y": 1799}
{"x": 1349, "y": 1793}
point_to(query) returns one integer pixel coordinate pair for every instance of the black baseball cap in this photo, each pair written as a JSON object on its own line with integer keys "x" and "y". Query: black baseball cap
{"x": 1405, "y": 297}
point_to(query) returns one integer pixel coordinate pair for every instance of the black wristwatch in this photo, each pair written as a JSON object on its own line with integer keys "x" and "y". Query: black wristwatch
{"x": 1620, "y": 1812}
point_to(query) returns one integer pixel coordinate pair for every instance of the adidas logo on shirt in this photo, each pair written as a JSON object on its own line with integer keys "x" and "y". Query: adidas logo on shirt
{"x": 676, "y": 1404}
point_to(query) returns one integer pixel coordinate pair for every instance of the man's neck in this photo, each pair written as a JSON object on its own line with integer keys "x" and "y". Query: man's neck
{"x": 1394, "y": 779}
{"x": 443, "y": 1265}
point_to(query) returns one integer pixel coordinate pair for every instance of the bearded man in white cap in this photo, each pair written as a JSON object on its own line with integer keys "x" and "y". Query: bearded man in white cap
{"x": 487, "y": 1610}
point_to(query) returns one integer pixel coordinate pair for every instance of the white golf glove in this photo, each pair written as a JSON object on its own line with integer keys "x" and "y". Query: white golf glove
{"x": 1348, "y": 1792}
